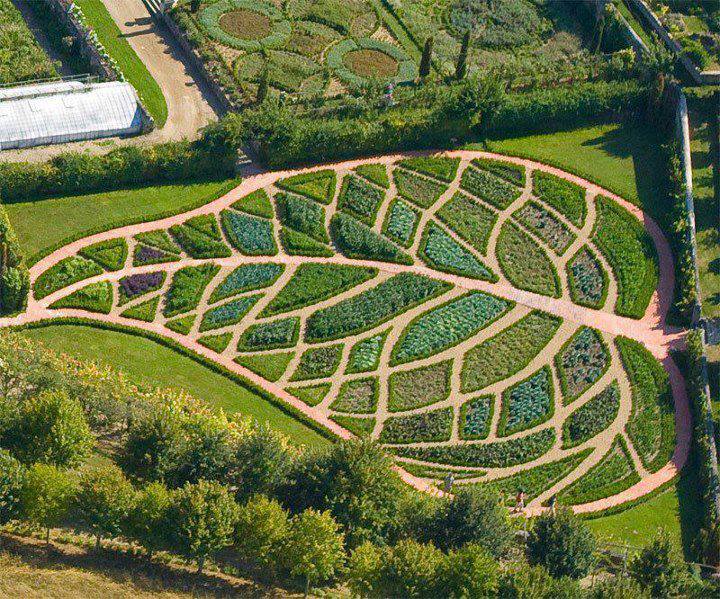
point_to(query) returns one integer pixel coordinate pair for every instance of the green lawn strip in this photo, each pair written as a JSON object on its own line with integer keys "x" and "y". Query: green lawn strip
{"x": 536, "y": 480}
{"x": 358, "y": 396}
{"x": 144, "y": 311}
{"x": 410, "y": 389}
{"x": 447, "y": 325}
{"x": 469, "y": 219}
{"x": 318, "y": 362}
{"x": 268, "y": 366}
{"x": 525, "y": 263}
{"x": 375, "y": 173}
{"x": 651, "y": 426}
{"x": 187, "y": 287}
{"x": 373, "y": 307}
{"x": 581, "y": 361}
{"x": 130, "y": 64}
{"x": 247, "y": 277}
{"x": 508, "y": 352}
{"x": 316, "y": 185}
{"x": 312, "y": 283}
{"x": 528, "y": 403}
{"x": 360, "y": 427}
{"x": 434, "y": 425}
{"x": 312, "y": 395}
{"x": 440, "y": 251}
{"x": 159, "y": 362}
{"x": 45, "y": 225}
{"x": 612, "y": 474}
{"x": 356, "y": 240}
{"x": 587, "y": 279}
{"x": 110, "y": 254}
{"x": 566, "y": 197}
{"x": 476, "y": 417}
{"x": 96, "y": 297}
{"x": 499, "y": 454}
{"x": 365, "y": 354}
{"x": 631, "y": 254}
{"x": 592, "y": 417}
{"x": 256, "y": 203}
{"x": 63, "y": 274}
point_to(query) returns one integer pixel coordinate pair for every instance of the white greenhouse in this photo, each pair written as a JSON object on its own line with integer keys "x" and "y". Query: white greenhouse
{"x": 65, "y": 111}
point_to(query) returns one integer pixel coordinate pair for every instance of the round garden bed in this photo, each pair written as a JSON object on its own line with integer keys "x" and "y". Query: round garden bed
{"x": 358, "y": 62}
{"x": 246, "y": 25}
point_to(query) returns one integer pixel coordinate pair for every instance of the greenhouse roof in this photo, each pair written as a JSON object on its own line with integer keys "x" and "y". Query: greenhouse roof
{"x": 61, "y": 112}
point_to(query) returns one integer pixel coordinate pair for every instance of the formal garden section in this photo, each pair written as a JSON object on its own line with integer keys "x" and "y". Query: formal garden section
{"x": 309, "y": 285}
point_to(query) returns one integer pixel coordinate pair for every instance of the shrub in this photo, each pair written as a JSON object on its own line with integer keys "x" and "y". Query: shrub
{"x": 434, "y": 425}
{"x": 375, "y": 173}
{"x": 360, "y": 199}
{"x": 527, "y": 403}
{"x": 499, "y": 454}
{"x": 271, "y": 335}
{"x": 419, "y": 190}
{"x": 581, "y": 362}
{"x": 247, "y": 277}
{"x": 14, "y": 289}
{"x": 489, "y": 188}
{"x": 631, "y": 254}
{"x": 525, "y": 263}
{"x": 658, "y": 569}
{"x": 249, "y": 235}
{"x": 313, "y": 283}
{"x": 372, "y": 307}
{"x": 228, "y": 314}
{"x": 134, "y": 286}
{"x": 562, "y": 543}
{"x": 316, "y": 185}
{"x": 358, "y": 396}
{"x": 410, "y": 389}
{"x": 447, "y": 325}
{"x": 96, "y": 297}
{"x": 546, "y": 226}
{"x": 440, "y": 251}
{"x": 401, "y": 222}
{"x": 365, "y": 354}
{"x": 508, "y": 352}
{"x": 12, "y": 474}
{"x": 566, "y": 197}
{"x": 256, "y": 203}
{"x": 302, "y": 215}
{"x": 110, "y": 254}
{"x": 476, "y": 417}
{"x": 356, "y": 240}
{"x": 318, "y": 362}
{"x": 187, "y": 287}
{"x": 470, "y": 220}
{"x": 438, "y": 167}
{"x": 593, "y": 417}
{"x": 63, "y": 274}
{"x": 587, "y": 279}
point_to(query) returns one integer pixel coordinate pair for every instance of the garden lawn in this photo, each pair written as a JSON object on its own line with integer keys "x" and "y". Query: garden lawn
{"x": 130, "y": 64}
{"x": 43, "y": 225}
{"x": 151, "y": 363}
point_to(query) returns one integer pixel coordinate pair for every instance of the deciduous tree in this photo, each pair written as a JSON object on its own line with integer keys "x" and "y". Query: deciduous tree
{"x": 46, "y": 496}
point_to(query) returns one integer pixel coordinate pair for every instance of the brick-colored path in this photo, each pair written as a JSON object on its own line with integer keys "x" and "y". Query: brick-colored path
{"x": 652, "y": 330}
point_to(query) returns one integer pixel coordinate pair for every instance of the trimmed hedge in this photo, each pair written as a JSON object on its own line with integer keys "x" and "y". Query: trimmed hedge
{"x": 375, "y": 173}
{"x": 111, "y": 254}
{"x": 511, "y": 172}
{"x": 407, "y": 69}
{"x": 144, "y": 311}
{"x": 312, "y": 395}
{"x": 256, "y": 203}
{"x": 268, "y": 366}
{"x": 438, "y": 167}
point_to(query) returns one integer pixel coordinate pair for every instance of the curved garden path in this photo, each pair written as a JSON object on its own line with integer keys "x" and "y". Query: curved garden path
{"x": 651, "y": 330}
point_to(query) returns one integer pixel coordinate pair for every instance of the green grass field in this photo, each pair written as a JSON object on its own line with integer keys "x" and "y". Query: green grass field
{"x": 147, "y": 361}
{"x": 44, "y": 224}
{"x": 132, "y": 67}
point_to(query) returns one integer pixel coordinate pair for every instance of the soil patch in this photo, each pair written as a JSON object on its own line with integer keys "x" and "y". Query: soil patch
{"x": 245, "y": 24}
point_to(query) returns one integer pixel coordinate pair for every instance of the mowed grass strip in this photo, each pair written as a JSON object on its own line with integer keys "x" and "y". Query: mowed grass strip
{"x": 130, "y": 64}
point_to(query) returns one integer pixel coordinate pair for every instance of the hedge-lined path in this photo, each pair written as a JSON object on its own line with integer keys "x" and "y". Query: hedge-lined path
{"x": 651, "y": 330}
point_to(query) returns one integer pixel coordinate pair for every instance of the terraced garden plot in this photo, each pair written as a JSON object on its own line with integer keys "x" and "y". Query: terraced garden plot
{"x": 427, "y": 340}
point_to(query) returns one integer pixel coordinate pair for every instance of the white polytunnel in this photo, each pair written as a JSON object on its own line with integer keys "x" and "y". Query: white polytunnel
{"x": 65, "y": 111}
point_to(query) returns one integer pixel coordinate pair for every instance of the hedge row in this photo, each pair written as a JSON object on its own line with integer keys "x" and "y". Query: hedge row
{"x": 14, "y": 277}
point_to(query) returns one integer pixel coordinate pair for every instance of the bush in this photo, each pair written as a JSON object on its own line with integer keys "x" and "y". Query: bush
{"x": 522, "y": 582}
{"x": 14, "y": 277}
{"x": 658, "y": 569}
{"x": 562, "y": 543}
{"x": 12, "y": 475}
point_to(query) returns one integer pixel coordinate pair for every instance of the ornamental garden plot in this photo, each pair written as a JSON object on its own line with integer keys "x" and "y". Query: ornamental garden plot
{"x": 431, "y": 303}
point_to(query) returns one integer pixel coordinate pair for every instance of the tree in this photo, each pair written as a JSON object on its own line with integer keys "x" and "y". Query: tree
{"x": 261, "y": 529}
{"x": 523, "y": 582}
{"x": 203, "y": 516}
{"x": 426, "y": 59}
{"x": 474, "y": 515}
{"x": 658, "y": 569}
{"x": 26, "y": 369}
{"x": 562, "y": 543}
{"x": 151, "y": 435}
{"x": 147, "y": 522}
{"x": 12, "y": 475}
{"x": 314, "y": 547}
{"x": 470, "y": 572}
{"x": 104, "y": 500}
{"x": 364, "y": 570}
{"x": 46, "y": 496}
{"x": 461, "y": 67}
{"x": 50, "y": 429}
{"x": 413, "y": 569}
{"x": 619, "y": 587}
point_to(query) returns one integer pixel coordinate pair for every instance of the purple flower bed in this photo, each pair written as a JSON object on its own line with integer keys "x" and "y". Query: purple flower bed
{"x": 144, "y": 254}
{"x": 136, "y": 285}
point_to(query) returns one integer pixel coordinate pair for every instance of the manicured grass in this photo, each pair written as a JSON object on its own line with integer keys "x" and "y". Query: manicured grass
{"x": 130, "y": 64}
{"x": 45, "y": 224}
{"x": 146, "y": 361}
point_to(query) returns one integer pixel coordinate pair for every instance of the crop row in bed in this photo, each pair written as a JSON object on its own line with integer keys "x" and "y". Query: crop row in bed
{"x": 470, "y": 220}
{"x": 527, "y": 403}
{"x": 440, "y": 251}
{"x": 365, "y": 354}
{"x": 419, "y": 190}
{"x": 356, "y": 240}
{"x": 187, "y": 287}
{"x": 318, "y": 362}
{"x": 551, "y": 230}
{"x": 564, "y": 196}
{"x": 411, "y": 389}
{"x": 358, "y": 396}
{"x": 592, "y": 417}
{"x": 249, "y": 235}
{"x": 489, "y": 187}
{"x": 587, "y": 279}
{"x": 270, "y": 335}
{"x": 475, "y": 417}
{"x": 360, "y": 199}
{"x": 401, "y": 223}
{"x": 247, "y": 277}
{"x": 434, "y": 425}
{"x": 581, "y": 362}
{"x": 200, "y": 238}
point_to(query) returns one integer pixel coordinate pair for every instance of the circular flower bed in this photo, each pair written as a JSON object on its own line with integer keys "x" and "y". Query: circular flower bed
{"x": 357, "y": 62}
{"x": 246, "y": 25}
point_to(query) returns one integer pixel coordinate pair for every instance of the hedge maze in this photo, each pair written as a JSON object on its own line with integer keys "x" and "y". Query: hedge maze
{"x": 427, "y": 302}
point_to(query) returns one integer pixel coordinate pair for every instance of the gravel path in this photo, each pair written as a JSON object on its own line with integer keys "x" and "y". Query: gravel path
{"x": 652, "y": 330}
